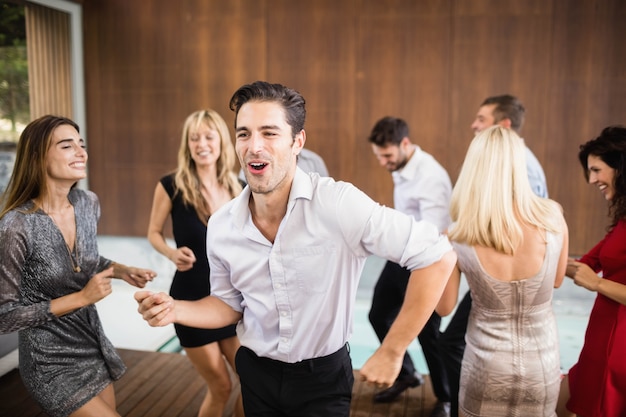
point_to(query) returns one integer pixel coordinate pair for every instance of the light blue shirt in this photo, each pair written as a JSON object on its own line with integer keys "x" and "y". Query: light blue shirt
{"x": 309, "y": 161}
{"x": 536, "y": 177}
{"x": 422, "y": 189}
{"x": 297, "y": 294}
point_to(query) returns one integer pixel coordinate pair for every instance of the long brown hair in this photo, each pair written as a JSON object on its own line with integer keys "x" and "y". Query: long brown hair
{"x": 28, "y": 180}
{"x": 186, "y": 176}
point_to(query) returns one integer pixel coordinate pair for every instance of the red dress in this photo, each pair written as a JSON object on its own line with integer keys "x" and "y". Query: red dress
{"x": 597, "y": 382}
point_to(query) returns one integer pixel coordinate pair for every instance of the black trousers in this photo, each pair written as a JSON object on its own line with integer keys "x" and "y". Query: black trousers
{"x": 386, "y": 302}
{"x": 318, "y": 387}
{"x": 452, "y": 345}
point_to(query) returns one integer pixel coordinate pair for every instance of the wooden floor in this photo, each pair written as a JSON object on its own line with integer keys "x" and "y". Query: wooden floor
{"x": 166, "y": 385}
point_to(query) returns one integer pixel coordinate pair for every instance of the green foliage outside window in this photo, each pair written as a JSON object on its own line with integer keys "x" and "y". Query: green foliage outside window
{"x": 14, "y": 100}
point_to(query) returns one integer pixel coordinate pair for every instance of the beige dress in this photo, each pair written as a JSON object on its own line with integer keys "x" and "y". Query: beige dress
{"x": 511, "y": 361}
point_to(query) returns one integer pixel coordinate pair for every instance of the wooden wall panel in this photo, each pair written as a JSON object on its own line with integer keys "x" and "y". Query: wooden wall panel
{"x": 223, "y": 46}
{"x": 150, "y": 63}
{"x": 402, "y": 72}
{"x": 154, "y": 63}
{"x": 134, "y": 79}
{"x": 311, "y": 50}
{"x": 586, "y": 92}
{"x": 498, "y": 49}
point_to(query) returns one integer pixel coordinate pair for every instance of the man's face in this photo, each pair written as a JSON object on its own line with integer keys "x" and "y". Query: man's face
{"x": 265, "y": 146}
{"x": 392, "y": 157}
{"x": 484, "y": 118}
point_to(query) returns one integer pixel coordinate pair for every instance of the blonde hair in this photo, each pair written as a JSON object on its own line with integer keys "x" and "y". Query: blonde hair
{"x": 186, "y": 176}
{"x": 492, "y": 197}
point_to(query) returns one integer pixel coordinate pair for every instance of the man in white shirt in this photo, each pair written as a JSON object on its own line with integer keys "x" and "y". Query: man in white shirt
{"x": 422, "y": 189}
{"x": 286, "y": 256}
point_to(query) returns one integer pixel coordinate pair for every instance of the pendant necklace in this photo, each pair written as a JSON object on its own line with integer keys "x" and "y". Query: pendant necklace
{"x": 72, "y": 254}
{"x": 75, "y": 265}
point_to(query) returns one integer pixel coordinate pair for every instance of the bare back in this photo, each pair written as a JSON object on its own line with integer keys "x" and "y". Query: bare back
{"x": 524, "y": 264}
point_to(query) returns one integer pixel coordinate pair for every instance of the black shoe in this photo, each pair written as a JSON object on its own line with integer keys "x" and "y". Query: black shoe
{"x": 442, "y": 409}
{"x": 398, "y": 387}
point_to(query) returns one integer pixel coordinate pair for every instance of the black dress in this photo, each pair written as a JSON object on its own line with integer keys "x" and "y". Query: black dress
{"x": 193, "y": 284}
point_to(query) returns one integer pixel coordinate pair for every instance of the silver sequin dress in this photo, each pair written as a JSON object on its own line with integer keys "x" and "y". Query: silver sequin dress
{"x": 511, "y": 362}
{"x": 64, "y": 361}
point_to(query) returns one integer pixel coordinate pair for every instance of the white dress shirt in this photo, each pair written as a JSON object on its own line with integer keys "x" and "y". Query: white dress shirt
{"x": 422, "y": 189}
{"x": 297, "y": 294}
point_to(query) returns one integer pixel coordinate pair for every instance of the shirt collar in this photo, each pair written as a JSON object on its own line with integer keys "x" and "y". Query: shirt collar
{"x": 301, "y": 187}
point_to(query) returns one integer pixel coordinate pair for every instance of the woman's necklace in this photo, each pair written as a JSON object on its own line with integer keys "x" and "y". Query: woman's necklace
{"x": 72, "y": 254}
{"x": 74, "y": 261}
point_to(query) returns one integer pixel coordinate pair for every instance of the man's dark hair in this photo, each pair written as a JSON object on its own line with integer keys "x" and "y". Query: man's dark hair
{"x": 291, "y": 100}
{"x": 507, "y": 107}
{"x": 610, "y": 147}
{"x": 388, "y": 131}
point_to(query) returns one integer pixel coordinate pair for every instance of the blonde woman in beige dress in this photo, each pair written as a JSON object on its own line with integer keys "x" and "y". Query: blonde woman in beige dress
{"x": 512, "y": 248}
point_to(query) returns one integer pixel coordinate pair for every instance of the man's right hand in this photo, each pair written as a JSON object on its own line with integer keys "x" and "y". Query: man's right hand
{"x": 156, "y": 308}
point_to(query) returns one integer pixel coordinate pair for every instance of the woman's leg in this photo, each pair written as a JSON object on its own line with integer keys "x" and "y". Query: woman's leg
{"x": 229, "y": 348}
{"x": 102, "y": 404}
{"x": 210, "y": 365}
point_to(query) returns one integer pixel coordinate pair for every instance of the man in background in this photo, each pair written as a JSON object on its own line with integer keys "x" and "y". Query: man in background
{"x": 422, "y": 189}
{"x": 508, "y": 111}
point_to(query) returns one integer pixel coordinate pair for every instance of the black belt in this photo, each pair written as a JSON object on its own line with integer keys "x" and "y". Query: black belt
{"x": 308, "y": 364}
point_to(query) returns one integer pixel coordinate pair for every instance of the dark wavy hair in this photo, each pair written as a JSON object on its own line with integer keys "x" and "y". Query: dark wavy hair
{"x": 389, "y": 131}
{"x": 291, "y": 100}
{"x": 610, "y": 147}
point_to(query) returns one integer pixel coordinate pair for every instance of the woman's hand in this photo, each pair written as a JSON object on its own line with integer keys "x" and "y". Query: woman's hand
{"x": 137, "y": 277}
{"x": 183, "y": 258}
{"x": 98, "y": 287}
{"x": 583, "y": 275}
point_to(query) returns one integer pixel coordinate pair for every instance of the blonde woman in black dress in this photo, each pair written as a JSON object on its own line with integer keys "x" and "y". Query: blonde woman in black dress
{"x": 204, "y": 180}
{"x": 51, "y": 275}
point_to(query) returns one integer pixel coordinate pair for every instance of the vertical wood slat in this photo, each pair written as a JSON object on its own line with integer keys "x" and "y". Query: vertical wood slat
{"x": 49, "y": 72}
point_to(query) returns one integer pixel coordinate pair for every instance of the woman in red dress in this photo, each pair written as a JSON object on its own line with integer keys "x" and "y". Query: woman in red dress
{"x": 596, "y": 385}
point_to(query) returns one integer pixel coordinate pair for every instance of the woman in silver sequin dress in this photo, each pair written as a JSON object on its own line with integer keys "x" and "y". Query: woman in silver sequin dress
{"x": 512, "y": 247}
{"x": 51, "y": 274}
